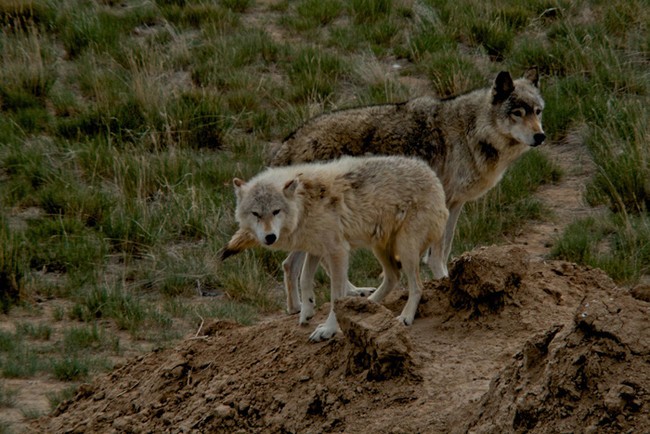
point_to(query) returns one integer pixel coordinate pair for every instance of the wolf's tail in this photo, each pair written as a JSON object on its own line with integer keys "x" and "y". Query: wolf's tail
{"x": 240, "y": 241}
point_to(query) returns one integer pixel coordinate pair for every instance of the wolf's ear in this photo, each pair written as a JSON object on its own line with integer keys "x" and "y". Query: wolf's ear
{"x": 503, "y": 87}
{"x": 238, "y": 183}
{"x": 532, "y": 75}
{"x": 290, "y": 187}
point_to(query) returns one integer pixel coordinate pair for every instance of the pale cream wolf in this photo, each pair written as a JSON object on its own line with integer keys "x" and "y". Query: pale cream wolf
{"x": 469, "y": 140}
{"x": 392, "y": 205}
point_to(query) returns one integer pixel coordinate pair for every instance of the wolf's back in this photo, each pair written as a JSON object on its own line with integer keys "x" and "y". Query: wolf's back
{"x": 387, "y": 129}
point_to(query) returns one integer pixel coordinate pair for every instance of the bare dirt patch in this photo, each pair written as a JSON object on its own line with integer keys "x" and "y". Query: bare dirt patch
{"x": 506, "y": 344}
{"x": 565, "y": 199}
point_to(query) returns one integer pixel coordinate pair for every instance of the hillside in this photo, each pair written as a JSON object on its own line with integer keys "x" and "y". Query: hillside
{"x": 505, "y": 345}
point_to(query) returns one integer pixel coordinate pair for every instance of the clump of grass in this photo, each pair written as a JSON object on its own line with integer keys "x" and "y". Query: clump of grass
{"x": 426, "y": 40}
{"x": 20, "y": 16}
{"x": 82, "y": 338}
{"x": 63, "y": 245}
{"x": 128, "y": 310}
{"x": 621, "y": 150}
{"x": 257, "y": 286}
{"x": 618, "y": 245}
{"x": 21, "y": 362}
{"x": 12, "y": 269}
{"x": 379, "y": 85}
{"x": 239, "y": 6}
{"x": 7, "y": 396}
{"x": 205, "y": 15}
{"x": 70, "y": 368}
{"x": 56, "y": 398}
{"x": 495, "y": 37}
{"x": 89, "y": 28}
{"x": 314, "y": 74}
{"x": 370, "y": 11}
{"x": 451, "y": 74}
{"x": 31, "y": 413}
{"x": 27, "y": 74}
{"x": 314, "y": 13}
{"x": 35, "y": 331}
{"x": 8, "y": 342}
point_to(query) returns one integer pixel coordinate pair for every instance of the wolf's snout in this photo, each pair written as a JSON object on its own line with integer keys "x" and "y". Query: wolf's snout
{"x": 270, "y": 239}
{"x": 539, "y": 139}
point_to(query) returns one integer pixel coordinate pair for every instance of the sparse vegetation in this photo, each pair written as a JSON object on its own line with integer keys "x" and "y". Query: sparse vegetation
{"x": 7, "y": 396}
{"x": 122, "y": 124}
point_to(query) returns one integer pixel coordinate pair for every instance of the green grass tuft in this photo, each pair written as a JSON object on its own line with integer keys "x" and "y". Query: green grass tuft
{"x": 620, "y": 246}
{"x": 12, "y": 267}
{"x": 621, "y": 150}
{"x": 70, "y": 368}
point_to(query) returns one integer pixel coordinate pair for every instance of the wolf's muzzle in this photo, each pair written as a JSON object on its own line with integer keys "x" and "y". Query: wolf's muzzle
{"x": 270, "y": 239}
{"x": 539, "y": 139}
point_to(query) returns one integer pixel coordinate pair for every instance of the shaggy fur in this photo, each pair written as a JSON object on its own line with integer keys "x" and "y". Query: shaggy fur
{"x": 392, "y": 205}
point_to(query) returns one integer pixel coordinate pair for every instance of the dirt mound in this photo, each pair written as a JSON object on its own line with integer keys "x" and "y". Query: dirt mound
{"x": 503, "y": 345}
{"x": 592, "y": 375}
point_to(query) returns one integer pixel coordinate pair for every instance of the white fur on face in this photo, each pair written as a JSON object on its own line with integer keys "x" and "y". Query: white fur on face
{"x": 268, "y": 229}
{"x": 524, "y": 132}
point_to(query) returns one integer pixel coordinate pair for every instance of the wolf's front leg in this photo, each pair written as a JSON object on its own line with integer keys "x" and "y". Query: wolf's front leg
{"x": 337, "y": 263}
{"x": 307, "y": 288}
{"x": 291, "y": 267}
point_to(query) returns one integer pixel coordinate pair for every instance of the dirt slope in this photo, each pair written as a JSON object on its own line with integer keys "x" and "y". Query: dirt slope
{"x": 504, "y": 345}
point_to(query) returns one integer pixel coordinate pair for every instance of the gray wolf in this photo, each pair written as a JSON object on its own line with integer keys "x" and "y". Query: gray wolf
{"x": 392, "y": 205}
{"x": 469, "y": 140}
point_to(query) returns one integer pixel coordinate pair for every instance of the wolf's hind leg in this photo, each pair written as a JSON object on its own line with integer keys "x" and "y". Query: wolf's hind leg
{"x": 357, "y": 291}
{"x": 410, "y": 268}
{"x": 391, "y": 275}
{"x": 436, "y": 260}
{"x": 352, "y": 290}
{"x": 450, "y": 228}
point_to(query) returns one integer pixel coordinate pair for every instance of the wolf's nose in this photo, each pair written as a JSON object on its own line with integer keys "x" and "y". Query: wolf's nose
{"x": 270, "y": 239}
{"x": 539, "y": 138}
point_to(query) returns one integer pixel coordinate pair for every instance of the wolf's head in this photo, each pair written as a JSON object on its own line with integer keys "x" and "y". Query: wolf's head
{"x": 266, "y": 208}
{"x": 519, "y": 106}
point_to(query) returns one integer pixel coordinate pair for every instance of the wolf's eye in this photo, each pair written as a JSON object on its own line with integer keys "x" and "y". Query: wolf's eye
{"x": 518, "y": 112}
{"x": 256, "y": 214}
{"x": 538, "y": 111}
{"x": 276, "y": 212}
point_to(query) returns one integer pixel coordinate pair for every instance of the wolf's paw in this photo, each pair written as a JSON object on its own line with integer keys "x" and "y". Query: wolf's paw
{"x": 293, "y": 310}
{"x": 374, "y": 297}
{"x": 306, "y": 316}
{"x": 306, "y": 313}
{"x": 406, "y": 320}
{"x": 361, "y": 292}
{"x": 322, "y": 333}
